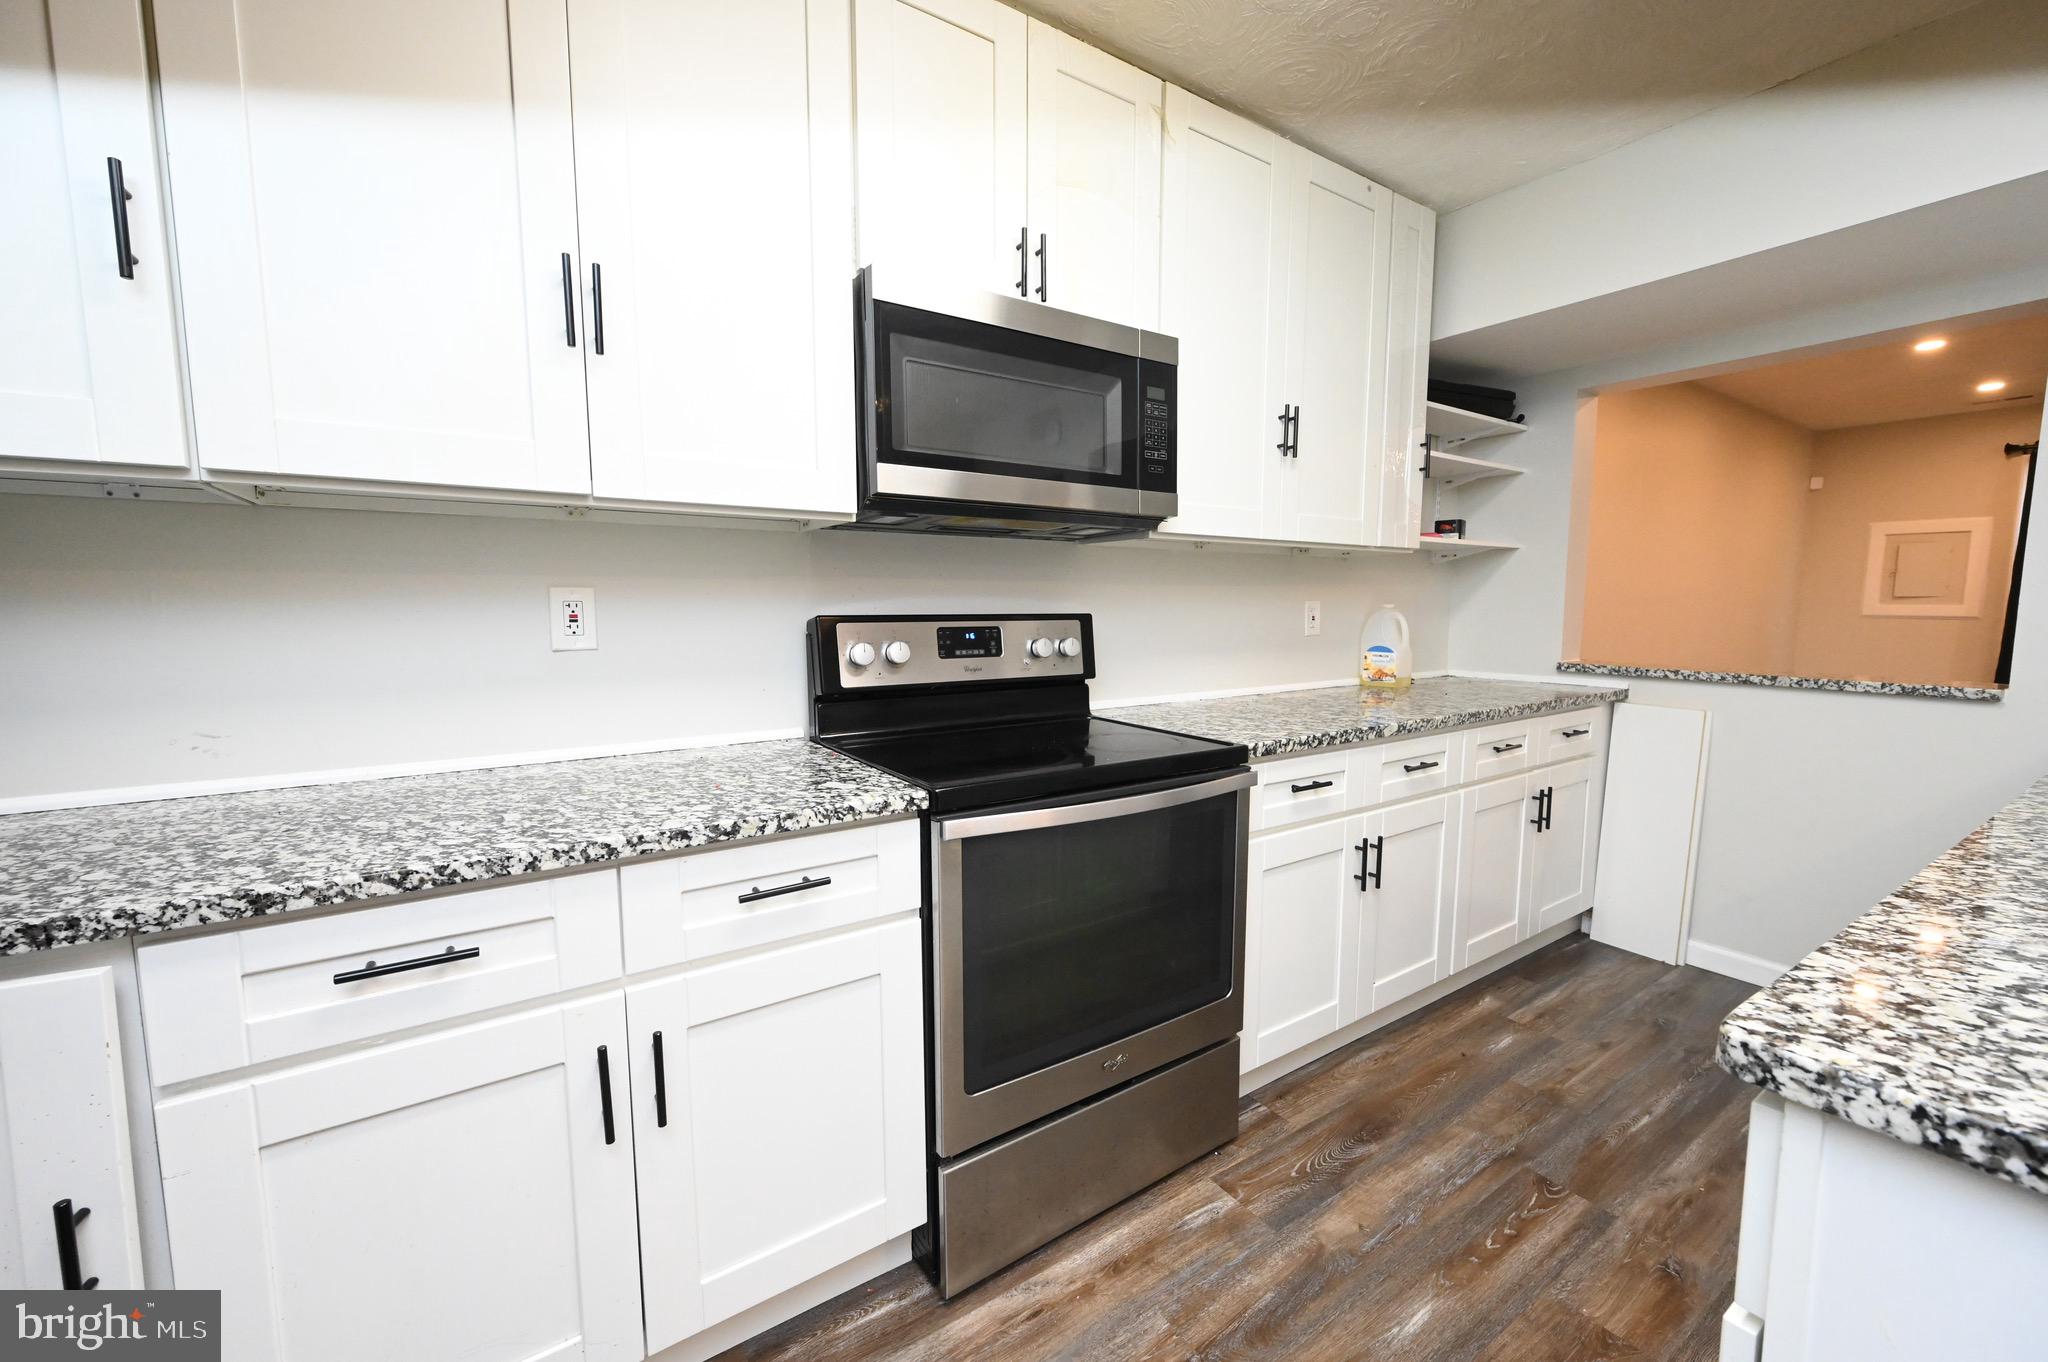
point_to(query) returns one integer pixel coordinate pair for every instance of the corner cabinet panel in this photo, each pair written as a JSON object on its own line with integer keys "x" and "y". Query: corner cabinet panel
{"x": 941, "y": 99}
{"x": 714, "y": 177}
{"x": 778, "y": 1113}
{"x": 1410, "y": 283}
{"x": 89, "y": 354}
{"x": 1226, "y": 229}
{"x": 1301, "y": 935}
{"x": 64, "y": 1133}
{"x": 376, "y": 207}
{"x": 454, "y": 1195}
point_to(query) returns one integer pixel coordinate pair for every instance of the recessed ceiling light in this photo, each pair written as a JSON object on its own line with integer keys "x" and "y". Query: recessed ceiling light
{"x": 1931, "y": 344}
{"x": 1991, "y": 385}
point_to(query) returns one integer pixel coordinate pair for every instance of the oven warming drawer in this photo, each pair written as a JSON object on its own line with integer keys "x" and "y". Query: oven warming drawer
{"x": 1001, "y": 1202}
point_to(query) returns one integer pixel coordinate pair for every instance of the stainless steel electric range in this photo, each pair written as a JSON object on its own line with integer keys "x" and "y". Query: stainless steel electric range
{"x": 1084, "y": 920}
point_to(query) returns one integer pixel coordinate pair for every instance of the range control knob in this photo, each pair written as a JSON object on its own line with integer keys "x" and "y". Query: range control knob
{"x": 1039, "y": 647}
{"x": 861, "y": 654}
{"x": 1070, "y": 647}
{"x": 896, "y": 652}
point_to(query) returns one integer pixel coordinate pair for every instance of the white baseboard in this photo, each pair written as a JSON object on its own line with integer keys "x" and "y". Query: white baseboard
{"x": 1751, "y": 969}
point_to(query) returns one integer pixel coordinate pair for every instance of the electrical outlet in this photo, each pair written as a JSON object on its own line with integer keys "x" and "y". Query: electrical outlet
{"x": 1311, "y": 618}
{"x": 572, "y": 619}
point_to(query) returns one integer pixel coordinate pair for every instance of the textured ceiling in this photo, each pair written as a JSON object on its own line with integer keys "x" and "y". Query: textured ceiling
{"x": 1449, "y": 101}
{"x": 1891, "y": 382}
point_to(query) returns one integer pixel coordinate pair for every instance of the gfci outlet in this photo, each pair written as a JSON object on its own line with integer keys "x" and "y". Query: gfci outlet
{"x": 572, "y": 619}
{"x": 1311, "y": 618}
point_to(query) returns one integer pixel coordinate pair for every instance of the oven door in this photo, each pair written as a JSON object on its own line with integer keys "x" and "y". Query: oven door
{"x": 1078, "y": 946}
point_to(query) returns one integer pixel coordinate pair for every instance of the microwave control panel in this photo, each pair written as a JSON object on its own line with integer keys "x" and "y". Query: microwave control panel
{"x": 1155, "y": 428}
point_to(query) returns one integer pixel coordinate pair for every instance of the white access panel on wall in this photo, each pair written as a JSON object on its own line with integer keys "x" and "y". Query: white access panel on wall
{"x": 1649, "y": 839}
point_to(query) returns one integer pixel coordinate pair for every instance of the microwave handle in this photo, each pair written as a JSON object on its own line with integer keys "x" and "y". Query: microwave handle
{"x": 1065, "y": 815}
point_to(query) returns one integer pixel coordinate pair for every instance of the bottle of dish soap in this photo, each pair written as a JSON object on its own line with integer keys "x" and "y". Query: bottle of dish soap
{"x": 1384, "y": 658}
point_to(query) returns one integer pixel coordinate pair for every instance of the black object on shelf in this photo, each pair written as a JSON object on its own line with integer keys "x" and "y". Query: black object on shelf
{"x": 1495, "y": 402}
{"x": 1451, "y": 528}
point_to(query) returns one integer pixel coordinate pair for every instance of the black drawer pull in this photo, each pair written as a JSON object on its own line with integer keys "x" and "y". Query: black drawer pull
{"x": 660, "y": 1084}
{"x": 805, "y": 883}
{"x": 1024, "y": 261}
{"x": 67, "y": 1221}
{"x": 597, "y": 308}
{"x": 569, "y": 299}
{"x": 372, "y": 970}
{"x": 117, "y": 190}
{"x": 1308, "y": 785}
{"x": 1412, "y": 768}
{"x": 1043, "y": 266}
{"x": 1575, "y": 733}
{"x": 1507, "y": 747}
{"x": 604, "y": 1093}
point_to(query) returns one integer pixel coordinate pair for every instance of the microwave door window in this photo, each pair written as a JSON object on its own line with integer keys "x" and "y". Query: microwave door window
{"x": 980, "y": 407}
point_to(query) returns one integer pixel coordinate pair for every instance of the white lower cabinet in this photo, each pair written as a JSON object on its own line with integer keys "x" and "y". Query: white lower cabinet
{"x": 1405, "y": 927}
{"x": 1301, "y": 933}
{"x": 467, "y": 1193}
{"x": 1494, "y": 839}
{"x": 778, "y": 1117}
{"x": 1564, "y": 847}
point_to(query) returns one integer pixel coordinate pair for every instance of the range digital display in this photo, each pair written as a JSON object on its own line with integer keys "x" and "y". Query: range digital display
{"x": 970, "y": 640}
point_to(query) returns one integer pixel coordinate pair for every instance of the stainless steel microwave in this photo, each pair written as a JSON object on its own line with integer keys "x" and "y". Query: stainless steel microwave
{"x": 990, "y": 415}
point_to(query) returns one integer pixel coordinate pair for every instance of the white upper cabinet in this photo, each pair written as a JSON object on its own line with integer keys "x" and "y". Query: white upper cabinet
{"x": 1407, "y": 374}
{"x": 89, "y": 354}
{"x": 1336, "y": 339}
{"x": 940, "y": 95}
{"x": 1092, "y": 158}
{"x": 714, "y": 180}
{"x": 376, "y": 207}
{"x": 1226, "y": 233}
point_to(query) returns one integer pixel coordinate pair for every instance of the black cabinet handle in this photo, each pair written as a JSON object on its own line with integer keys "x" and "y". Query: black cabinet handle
{"x": 1294, "y": 440}
{"x": 1308, "y": 785}
{"x": 604, "y": 1093}
{"x": 1427, "y": 452}
{"x": 1507, "y": 747}
{"x": 67, "y": 1222}
{"x": 1537, "y": 821}
{"x": 1285, "y": 416}
{"x": 1575, "y": 733}
{"x": 597, "y": 308}
{"x": 117, "y": 190}
{"x": 805, "y": 883}
{"x": 372, "y": 970}
{"x": 1412, "y": 768}
{"x": 569, "y": 300}
{"x": 1043, "y": 265}
{"x": 1549, "y": 806}
{"x": 1364, "y": 875}
{"x": 660, "y": 1084}
{"x": 1024, "y": 262}
{"x": 1379, "y": 859}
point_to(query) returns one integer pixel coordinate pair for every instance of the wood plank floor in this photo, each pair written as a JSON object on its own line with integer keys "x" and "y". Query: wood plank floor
{"x": 1544, "y": 1165}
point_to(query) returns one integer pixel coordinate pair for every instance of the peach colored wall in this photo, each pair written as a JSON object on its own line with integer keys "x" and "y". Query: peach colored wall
{"x": 1694, "y": 534}
{"x": 1907, "y": 470}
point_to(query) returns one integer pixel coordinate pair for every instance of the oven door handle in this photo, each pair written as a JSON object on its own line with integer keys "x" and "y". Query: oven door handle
{"x": 1065, "y": 815}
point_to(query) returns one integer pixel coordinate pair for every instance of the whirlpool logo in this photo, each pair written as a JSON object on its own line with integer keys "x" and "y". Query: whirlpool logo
{"x": 164, "y": 1326}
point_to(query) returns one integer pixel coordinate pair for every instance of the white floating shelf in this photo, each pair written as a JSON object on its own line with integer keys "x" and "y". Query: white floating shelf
{"x": 1444, "y": 550}
{"x": 1448, "y": 470}
{"x": 1455, "y": 425}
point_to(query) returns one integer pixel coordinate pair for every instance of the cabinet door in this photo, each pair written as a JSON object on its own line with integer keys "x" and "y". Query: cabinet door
{"x": 377, "y": 238}
{"x": 939, "y": 91}
{"x": 1410, "y": 281}
{"x": 1561, "y": 873}
{"x": 1301, "y": 933}
{"x": 720, "y": 357}
{"x": 1337, "y": 336}
{"x": 1092, "y": 152}
{"x": 64, "y": 1132}
{"x": 780, "y": 1124}
{"x": 1408, "y": 906}
{"x": 1493, "y": 834}
{"x": 1223, "y": 293}
{"x": 88, "y": 358}
{"x": 460, "y": 1194}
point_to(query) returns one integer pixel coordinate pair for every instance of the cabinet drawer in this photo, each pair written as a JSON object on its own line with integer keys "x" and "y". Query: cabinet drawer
{"x": 1301, "y": 788}
{"x": 1560, "y": 737}
{"x": 758, "y": 893}
{"x": 1499, "y": 750}
{"x": 1413, "y": 766}
{"x": 215, "y": 1003}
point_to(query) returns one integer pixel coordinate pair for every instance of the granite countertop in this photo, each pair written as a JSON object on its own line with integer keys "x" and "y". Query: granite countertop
{"x": 1927, "y": 1018}
{"x": 1275, "y": 723}
{"x": 94, "y": 874}
{"x": 1784, "y": 682}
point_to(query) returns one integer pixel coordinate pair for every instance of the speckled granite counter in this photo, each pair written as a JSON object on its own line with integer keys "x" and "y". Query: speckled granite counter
{"x": 1275, "y": 723}
{"x": 1783, "y": 682}
{"x": 1927, "y": 1018}
{"x": 74, "y": 875}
